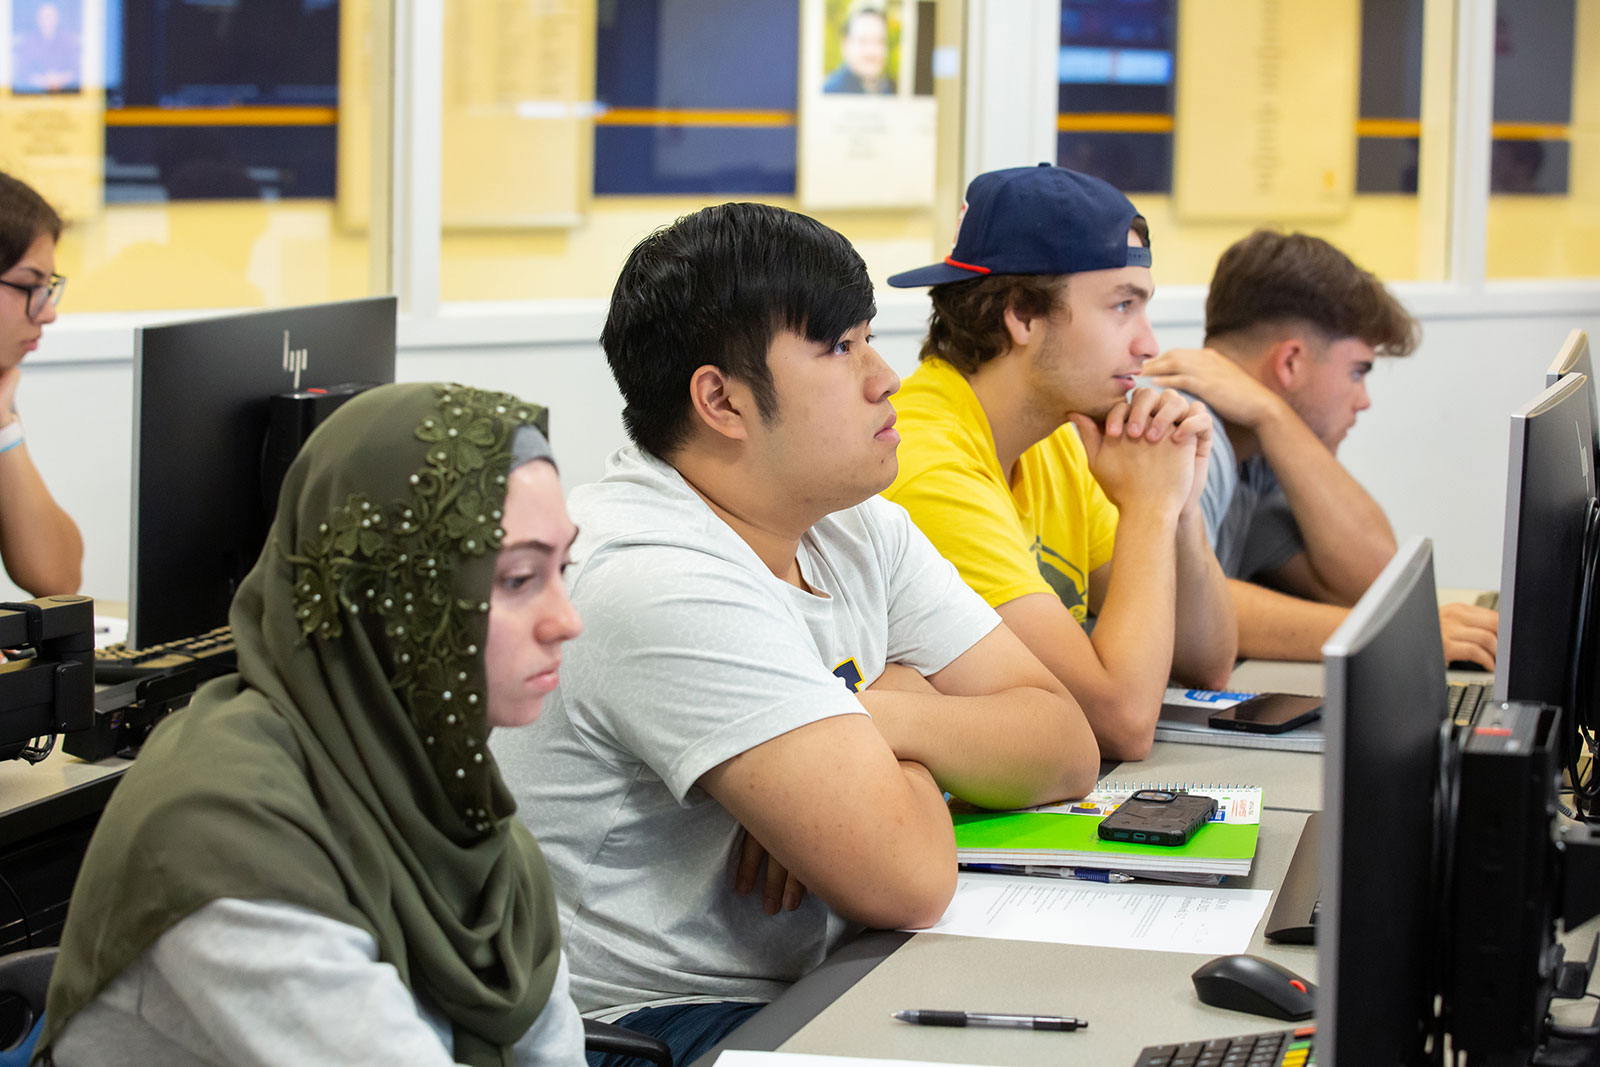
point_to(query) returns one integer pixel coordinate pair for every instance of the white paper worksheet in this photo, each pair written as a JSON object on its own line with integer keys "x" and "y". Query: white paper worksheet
{"x": 1159, "y": 918}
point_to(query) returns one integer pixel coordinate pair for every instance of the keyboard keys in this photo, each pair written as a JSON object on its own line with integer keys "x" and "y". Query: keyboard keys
{"x": 1276, "y": 1048}
{"x": 210, "y": 653}
{"x": 1464, "y": 700}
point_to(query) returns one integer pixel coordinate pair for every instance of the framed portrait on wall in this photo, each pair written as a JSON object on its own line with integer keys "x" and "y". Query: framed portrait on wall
{"x": 867, "y": 115}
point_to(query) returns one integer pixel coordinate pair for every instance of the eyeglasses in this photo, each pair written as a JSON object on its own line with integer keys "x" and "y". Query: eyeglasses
{"x": 40, "y": 296}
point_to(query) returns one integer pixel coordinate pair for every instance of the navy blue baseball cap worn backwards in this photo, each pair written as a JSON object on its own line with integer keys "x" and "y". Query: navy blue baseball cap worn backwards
{"x": 1035, "y": 220}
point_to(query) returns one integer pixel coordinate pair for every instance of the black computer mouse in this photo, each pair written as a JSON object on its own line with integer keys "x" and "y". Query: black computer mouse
{"x": 1260, "y": 987}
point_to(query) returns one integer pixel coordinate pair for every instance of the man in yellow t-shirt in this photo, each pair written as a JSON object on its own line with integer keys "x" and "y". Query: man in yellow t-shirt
{"x": 1039, "y": 320}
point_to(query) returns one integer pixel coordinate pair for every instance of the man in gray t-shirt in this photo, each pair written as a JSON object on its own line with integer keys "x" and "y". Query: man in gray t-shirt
{"x": 779, "y": 677}
{"x": 1292, "y": 329}
{"x": 1248, "y": 519}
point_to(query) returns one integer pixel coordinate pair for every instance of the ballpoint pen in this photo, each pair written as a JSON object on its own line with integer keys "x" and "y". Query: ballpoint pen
{"x": 924, "y": 1017}
{"x": 1082, "y": 874}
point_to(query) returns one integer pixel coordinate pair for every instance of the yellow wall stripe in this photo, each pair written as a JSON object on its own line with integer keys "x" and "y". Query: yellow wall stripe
{"x": 1113, "y": 122}
{"x": 222, "y": 116}
{"x": 1531, "y": 131}
{"x": 1501, "y": 131}
{"x": 656, "y": 116}
{"x": 1073, "y": 122}
{"x": 1388, "y": 128}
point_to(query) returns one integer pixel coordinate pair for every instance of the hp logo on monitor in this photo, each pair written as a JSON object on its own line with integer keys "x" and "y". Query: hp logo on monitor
{"x": 294, "y": 359}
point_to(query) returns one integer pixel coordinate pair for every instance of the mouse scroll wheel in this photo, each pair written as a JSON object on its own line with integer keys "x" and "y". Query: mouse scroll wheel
{"x": 1298, "y": 984}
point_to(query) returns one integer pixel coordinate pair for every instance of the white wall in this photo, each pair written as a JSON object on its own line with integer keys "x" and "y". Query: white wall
{"x": 1432, "y": 449}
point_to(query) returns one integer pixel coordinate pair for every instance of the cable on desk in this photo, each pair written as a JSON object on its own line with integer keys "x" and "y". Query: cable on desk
{"x": 22, "y": 912}
{"x": 1447, "y": 810}
{"x": 1580, "y": 681}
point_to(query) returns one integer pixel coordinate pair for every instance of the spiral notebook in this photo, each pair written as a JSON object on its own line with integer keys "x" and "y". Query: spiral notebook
{"x": 1065, "y": 835}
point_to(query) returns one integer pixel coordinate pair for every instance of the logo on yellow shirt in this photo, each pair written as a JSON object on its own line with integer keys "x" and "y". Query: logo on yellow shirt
{"x": 1069, "y": 582}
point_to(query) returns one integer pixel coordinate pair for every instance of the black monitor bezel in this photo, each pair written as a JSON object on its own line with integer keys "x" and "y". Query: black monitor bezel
{"x": 1384, "y": 733}
{"x": 200, "y": 400}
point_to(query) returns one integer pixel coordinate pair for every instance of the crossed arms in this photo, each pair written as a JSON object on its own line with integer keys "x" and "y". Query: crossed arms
{"x": 851, "y": 806}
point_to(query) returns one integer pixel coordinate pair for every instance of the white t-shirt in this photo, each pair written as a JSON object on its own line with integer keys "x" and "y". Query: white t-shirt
{"x": 693, "y": 652}
{"x": 255, "y": 982}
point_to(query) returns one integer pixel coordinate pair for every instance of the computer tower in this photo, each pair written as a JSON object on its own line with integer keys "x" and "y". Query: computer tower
{"x": 1504, "y": 958}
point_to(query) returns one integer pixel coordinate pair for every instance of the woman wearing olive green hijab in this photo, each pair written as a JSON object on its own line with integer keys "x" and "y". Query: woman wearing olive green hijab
{"x": 316, "y": 862}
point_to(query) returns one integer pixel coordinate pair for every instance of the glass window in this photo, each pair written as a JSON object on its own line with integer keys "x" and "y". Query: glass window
{"x": 650, "y": 109}
{"x": 671, "y": 121}
{"x": 1544, "y": 174}
{"x": 207, "y": 175}
{"x": 1216, "y": 126}
{"x": 1117, "y": 83}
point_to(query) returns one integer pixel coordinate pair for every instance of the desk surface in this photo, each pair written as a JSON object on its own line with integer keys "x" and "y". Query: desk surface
{"x": 38, "y": 797}
{"x": 1289, "y": 781}
{"x": 1131, "y": 998}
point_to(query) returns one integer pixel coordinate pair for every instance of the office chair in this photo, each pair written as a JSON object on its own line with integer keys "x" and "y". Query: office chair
{"x": 25, "y": 976}
{"x": 609, "y": 1037}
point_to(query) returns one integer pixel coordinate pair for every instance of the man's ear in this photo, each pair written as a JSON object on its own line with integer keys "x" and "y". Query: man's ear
{"x": 1287, "y": 361}
{"x": 1021, "y": 328}
{"x": 720, "y": 402}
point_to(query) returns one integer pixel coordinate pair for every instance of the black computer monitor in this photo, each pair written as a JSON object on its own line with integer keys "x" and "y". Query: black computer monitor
{"x": 1378, "y": 927}
{"x": 1549, "y": 484}
{"x": 200, "y": 399}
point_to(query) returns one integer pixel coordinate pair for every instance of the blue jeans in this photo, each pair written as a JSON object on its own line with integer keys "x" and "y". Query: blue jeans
{"x": 688, "y": 1029}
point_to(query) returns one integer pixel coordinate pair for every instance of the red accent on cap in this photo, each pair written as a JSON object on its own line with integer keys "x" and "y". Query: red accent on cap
{"x": 965, "y": 266}
{"x": 1492, "y": 731}
{"x": 1298, "y": 984}
{"x": 315, "y": 389}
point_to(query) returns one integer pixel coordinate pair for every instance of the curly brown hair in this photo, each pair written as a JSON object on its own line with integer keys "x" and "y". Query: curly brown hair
{"x": 967, "y": 326}
{"x": 1271, "y": 279}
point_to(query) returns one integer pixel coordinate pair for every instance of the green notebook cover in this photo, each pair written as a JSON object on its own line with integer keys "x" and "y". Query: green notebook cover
{"x": 1016, "y": 831}
{"x": 1063, "y": 837}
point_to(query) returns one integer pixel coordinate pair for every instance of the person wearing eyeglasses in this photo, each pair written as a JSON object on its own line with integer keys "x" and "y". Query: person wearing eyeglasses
{"x": 39, "y": 543}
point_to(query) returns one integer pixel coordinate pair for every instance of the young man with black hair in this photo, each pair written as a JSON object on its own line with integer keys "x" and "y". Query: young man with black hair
{"x": 1292, "y": 329}
{"x": 778, "y": 670}
{"x": 1039, "y": 321}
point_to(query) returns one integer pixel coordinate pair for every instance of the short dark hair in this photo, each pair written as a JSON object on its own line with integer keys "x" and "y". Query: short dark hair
{"x": 24, "y": 218}
{"x": 716, "y": 287}
{"x": 967, "y": 325}
{"x": 857, "y": 11}
{"x": 1272, "y": 279}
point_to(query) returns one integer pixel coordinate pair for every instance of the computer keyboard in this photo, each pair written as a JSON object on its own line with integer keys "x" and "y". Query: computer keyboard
{"x": 1465, "y": 698}
{"x": 1275, "y": 1048}
{"x": 210, "y": 654}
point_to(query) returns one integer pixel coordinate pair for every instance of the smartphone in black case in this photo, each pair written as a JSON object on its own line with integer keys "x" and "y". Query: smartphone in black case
{"x": 1158, "y": 817}
{"x": 1269, "y": 713}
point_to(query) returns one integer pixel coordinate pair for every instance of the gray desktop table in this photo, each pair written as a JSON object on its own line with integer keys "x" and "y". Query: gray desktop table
{"x": 36, "y": 798}
{"x": 1131, "y": 998}
{"x": 1289, "y": 781}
